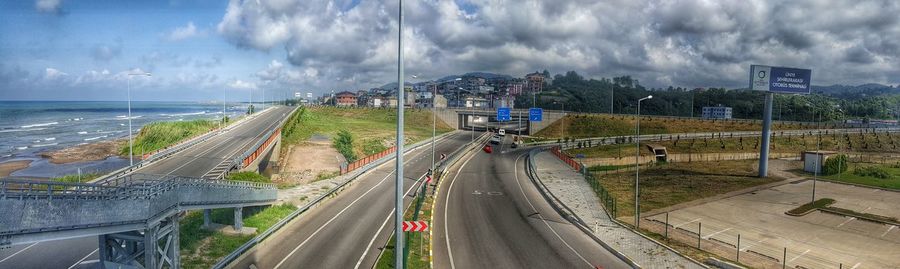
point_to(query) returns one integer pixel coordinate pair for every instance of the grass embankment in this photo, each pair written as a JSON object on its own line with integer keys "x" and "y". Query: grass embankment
{"x": 251, "y": 176}
{"x": 809, "y": 207}
{"x": 825, "y": 204}
{"x": 202, "y": 248}
{"x": 582, "y": 126}
{"x": 876, "y": 175}
{"x": 664, "y": 185}
{"x": 886, "y": 143}
{"x": 159, "y": 135}
{"x": 371, "y": 129}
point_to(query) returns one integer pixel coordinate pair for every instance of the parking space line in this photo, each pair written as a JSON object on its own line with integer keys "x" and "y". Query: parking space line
{"x": 798, "y": 256}
{"x": 715, "y": 233}
{"x": 689, "y": 222}
{"x": 85, "y": 258}
{"x": 754, "y": 244}
{"x": 847, "y": 221}
{"x": 857, "y": 265}
{"x": 889, "y": 230}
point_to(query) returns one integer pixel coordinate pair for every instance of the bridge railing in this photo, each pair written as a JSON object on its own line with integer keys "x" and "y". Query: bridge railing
{"x": 135, "y": 186}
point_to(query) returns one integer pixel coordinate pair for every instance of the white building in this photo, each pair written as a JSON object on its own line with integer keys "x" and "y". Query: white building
{"x": 814, "y": 160}
{"x": 716, "y": 112}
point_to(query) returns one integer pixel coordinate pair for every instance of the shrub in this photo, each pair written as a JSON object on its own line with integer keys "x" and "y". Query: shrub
{"x": 248, "y": 176}
{"x": 871, "y": 171}
{"x": 343, "y": 142}
{"x": 835, "y": 165}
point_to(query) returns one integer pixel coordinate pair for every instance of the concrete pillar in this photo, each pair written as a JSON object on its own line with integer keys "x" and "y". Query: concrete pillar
{"x": 207, "y": 220}
{"x": 238, "y": 218}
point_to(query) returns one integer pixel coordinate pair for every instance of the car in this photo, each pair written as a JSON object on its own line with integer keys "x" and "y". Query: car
{"x": 496, "y": 140}
{"x": 488, "y": 148}
{"x": 501, "y": 132}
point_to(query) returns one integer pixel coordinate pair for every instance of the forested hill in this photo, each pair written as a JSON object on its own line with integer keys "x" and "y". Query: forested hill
{"x": 872, "y": 101}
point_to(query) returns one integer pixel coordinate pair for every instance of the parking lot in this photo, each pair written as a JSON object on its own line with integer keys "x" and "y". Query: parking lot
{"x": 816, "y": 240}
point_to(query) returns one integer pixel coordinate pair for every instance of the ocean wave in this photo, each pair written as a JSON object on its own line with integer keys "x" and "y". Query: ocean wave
{"x": 183, "y": 114}
{"x": 95, "y": 138}
{"x": 44, "y": 145}
{"x": 22, "y": 148}
{"x": 50, "y": 139}
{"x": 39, "y": 125}
{"x": 22, "y": 130}
{"x": 123, "y": 117}
{"x": 82, "y": 132}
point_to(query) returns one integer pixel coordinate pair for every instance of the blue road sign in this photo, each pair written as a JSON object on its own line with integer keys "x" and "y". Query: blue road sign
{"x": 503, "y": 114}
{"x": 535, "y": 114}
{"x": 779, "y": 79}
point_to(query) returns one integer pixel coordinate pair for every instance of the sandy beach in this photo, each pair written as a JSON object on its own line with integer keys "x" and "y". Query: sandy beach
{"x": 88, "y": 152}
{"x": 12, "y": 166}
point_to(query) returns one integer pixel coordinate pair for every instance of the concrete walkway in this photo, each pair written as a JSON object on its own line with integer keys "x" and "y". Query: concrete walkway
{"x": 571, "y": 188}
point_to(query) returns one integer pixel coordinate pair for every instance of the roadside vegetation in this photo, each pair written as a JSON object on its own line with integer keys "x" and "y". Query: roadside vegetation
{"x": 418, "y": 243}
{"x": 668, "y": 184}
{"x": 870, "y": 174}
{"x": 598, "y": 125}
{"x": 202, "y": 248}
{"x": 811, "y": 206}
{"x": 159, "y": 135}
{"x": 248, "y": 176}
{"x": 75, "y": 178}
{"x": 866, "y": 142}
{"x": 371, "y": 129}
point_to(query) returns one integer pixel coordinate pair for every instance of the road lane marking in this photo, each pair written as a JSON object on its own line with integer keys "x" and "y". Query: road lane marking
{"x": 798, "y": 256}
{"x": 715, "y": 233}
{"x": 856, "y": 265}
{"x": 447, "y": 207}
{"x": 340, "y": 213}
{"x": 689, "y": 222}
{"x": 17, "y": 252}
{"x": 388, "y": 219}
{"x": 85, "y": 257}
{"x": 516, "y": 173}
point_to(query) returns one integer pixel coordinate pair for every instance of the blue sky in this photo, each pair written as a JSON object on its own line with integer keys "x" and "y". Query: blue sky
{"x": 83, "y": 50}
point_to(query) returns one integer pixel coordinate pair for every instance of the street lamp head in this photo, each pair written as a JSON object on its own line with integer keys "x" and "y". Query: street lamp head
{"x": 649, "y": 96}
{"x": 645, "y": 98}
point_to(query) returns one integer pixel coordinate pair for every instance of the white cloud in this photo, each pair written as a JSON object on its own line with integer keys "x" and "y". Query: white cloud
{"x": 53, "y": 74}
{"x": 48, "y": 6}
{"x": 243, "y": 85}
{"x": 182, "y": 33}
{"x": 683, "y": 42}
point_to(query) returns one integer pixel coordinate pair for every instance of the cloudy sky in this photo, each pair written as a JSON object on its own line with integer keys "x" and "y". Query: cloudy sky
{"x": 83, "y": 50}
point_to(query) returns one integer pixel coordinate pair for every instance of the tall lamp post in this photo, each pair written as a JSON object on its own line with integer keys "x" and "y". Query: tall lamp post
{"x": 817, "y": 165}
{"x": 398, "y": 194}
{"x": 637, "y": 166}
{"x": 563, "y": 108}
{"x": 130, "y": 135}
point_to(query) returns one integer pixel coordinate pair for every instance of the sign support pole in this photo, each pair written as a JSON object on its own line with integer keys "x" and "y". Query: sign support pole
{"x": 766, "y": 135}
{"x": 398, "y": 195}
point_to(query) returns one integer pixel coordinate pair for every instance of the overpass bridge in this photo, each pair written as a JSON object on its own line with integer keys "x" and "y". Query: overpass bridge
{"x": 481, "y": 119}
{"x": 134, "y": 211}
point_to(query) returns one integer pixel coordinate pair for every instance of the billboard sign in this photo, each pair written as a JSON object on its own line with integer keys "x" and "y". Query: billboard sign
{"x": 779, "y": 79}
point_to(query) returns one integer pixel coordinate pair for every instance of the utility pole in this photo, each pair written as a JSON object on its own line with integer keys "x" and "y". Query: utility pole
{"x": 637, "y": 166}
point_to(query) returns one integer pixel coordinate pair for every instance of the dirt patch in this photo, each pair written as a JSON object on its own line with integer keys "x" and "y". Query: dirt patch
{"x": 305, "y": 162}
{"x": 88, "y": 152}
{"x": 8, "y": 168}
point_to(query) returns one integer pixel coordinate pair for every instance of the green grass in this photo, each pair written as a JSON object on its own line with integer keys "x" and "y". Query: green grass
{"x": 248, "y": 176}
{"x": 674, "y": 183}
{"x": 602, "y": 168}
{"x": 891, "y": 182}
{"x": 780, "y": 144}
{"x": 196, "y": 254}
{"x": 806, "y": 208}
{"x": 370, "y": 125}
{"x": 159, "y": 135}
{"x": 598, "y": 125}
{"x": 77, "y": 179}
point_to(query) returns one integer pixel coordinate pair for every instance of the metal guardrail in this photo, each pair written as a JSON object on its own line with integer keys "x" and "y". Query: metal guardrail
{"x": 238, "y": 160}
{"x": 350, "y": 177}
{"x": 126, "y": 187}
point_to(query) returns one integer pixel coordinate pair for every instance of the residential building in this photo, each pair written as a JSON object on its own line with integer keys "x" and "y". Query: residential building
{"x": 534, "y": 82}
{"x": 345, "y": 99}
{"x": 716, "y": 112}
{"x": 440, "y": 101}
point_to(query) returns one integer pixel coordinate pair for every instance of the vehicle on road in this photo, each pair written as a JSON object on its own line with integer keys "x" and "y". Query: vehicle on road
{"x": 496, "y": 139}
{"x": 488, "y": 148}
{"x": 501, "y": 132}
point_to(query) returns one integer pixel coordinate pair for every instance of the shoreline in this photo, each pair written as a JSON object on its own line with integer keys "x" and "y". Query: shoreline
{"x": 7, "y": 168}
{"x": 84, "y": 153}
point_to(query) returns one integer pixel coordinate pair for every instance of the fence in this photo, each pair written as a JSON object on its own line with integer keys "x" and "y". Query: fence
{"x": 608, "y": 200}
{"x": 366, "y": 160}
{"x": 565, "y": 158}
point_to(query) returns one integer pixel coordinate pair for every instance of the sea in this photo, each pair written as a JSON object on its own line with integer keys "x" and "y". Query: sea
{"x": 28, "y": 128}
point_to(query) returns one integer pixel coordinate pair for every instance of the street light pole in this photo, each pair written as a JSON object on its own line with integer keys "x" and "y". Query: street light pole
{"x": 816, "y": 160}
{"x": 130, "y": 132}
{"x": 398, "y": 195}
{"x": 612, "y": 92}
{"x": 637, "y": 166}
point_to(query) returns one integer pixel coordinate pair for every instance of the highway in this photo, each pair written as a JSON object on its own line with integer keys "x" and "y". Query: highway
{"x": 347, "y": 231}
{"x": 192, "y": 162}
{"x": 489, "y": 215}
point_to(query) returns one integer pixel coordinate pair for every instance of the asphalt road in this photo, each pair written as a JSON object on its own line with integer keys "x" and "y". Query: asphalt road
{"x": 193, "y": 162}
{"x": 349, "y": 230}
{"x": 490, "y": 215}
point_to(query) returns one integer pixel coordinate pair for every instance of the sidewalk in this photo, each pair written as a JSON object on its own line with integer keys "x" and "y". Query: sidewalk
{"x": 576, "y": 193}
